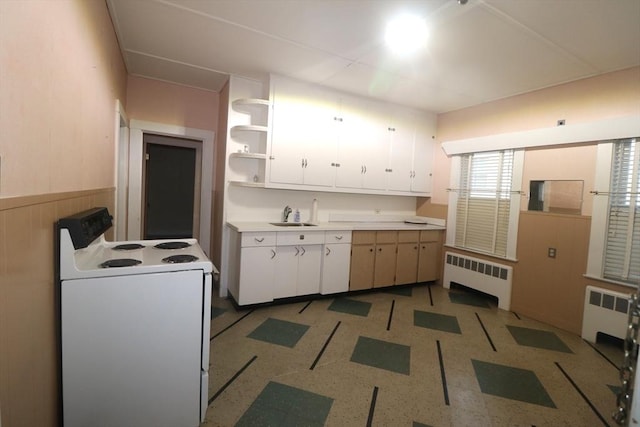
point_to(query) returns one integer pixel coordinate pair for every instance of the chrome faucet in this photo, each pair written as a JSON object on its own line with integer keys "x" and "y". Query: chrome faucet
{"x": 285, "y": 213}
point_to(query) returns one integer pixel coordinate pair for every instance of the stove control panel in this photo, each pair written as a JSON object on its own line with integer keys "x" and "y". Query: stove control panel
{"x": 84, "y": 227}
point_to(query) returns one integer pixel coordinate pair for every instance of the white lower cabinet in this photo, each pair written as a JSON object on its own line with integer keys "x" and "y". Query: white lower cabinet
{"x": 335, "y": 262}
{"x": 298, "y": 263}
{"x": 256, "y": 268}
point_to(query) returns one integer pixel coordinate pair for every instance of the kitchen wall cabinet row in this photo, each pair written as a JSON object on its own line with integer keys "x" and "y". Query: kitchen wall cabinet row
{"x": 386, "y": 258}
{"x": 274, "y": 265}
{"x": 322, "y": 140}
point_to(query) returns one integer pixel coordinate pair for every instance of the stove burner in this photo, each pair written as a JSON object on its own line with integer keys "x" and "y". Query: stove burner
{"x": 172, "y": 245}
{"x": 120, "y": 262}
{"x": 179, "y": 259}
{"x": 128, "y": 247}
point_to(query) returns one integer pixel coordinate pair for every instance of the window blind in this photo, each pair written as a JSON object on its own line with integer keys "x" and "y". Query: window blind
{"x": 484, "y": 201}
{"x": 622, "y": 247}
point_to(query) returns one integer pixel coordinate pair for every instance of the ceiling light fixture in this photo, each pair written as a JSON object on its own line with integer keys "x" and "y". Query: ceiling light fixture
{"x": 406, "y": 34}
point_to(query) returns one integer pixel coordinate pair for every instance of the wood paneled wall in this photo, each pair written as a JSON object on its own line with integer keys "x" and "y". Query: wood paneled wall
{"x": 551, "y": 289}
{"x": 28, "y": 318}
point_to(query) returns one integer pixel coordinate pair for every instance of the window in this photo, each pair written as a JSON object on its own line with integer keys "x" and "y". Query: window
{"x": 485, "y": 201}
{"x": 622, "y": 245}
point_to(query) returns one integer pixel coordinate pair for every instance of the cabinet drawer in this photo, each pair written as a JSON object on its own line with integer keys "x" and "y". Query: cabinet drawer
{"x": 408, "y": 236}
{"x": 386, "y": 236}
{"x": 300, "y": 238}
{"x": 258, "y": 239}
{"x": 430, "y": 235}
{"x": 337, "y": 237}
{"x": 363, "y": 237}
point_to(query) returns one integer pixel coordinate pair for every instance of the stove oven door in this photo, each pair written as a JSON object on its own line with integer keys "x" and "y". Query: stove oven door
{"x": 132, "y": 350}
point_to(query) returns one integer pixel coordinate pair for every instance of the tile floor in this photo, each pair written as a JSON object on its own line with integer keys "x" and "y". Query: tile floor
{"x": 408, "y": 356}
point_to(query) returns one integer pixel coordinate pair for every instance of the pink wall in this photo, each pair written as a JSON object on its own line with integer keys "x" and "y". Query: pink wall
{"x": 609, "y": 95}
{"x": 60, "y": 75}
{"x": 171, "y": 104}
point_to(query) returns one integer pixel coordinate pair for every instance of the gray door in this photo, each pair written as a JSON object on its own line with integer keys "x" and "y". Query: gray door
{"x": 169, "y": 191}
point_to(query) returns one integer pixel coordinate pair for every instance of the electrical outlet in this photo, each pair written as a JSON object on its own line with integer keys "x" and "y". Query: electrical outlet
{"x": 552, "y": 252}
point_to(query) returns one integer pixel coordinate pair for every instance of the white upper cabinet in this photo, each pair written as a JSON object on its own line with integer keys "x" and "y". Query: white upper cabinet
{"x": 423, "y": 152}
{"x": 329, "y": 141}
{"x": 363, "y": 147}
{"x": 303, "y": 141}
{"x": 402, "y": 134}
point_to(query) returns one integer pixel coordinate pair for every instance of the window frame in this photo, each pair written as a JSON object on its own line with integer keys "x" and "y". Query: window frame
{"x": 514, "y": 207}
{"x": 600, "y": 214}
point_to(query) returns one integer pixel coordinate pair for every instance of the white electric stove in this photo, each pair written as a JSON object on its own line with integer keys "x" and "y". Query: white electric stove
{"x": 135, "y": 324}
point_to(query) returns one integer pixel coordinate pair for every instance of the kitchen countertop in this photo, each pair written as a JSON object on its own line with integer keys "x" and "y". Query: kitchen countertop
{"x": 249, "y": 226}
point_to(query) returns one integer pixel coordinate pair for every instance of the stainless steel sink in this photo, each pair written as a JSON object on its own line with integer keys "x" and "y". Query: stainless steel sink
{"x": 292, "y": 224}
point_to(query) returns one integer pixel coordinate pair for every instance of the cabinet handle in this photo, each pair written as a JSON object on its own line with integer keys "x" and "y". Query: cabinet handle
{"x": 379, "y": 249}
{"x": 333, "y": 164}
{"x": 305, "y": 163}
{"x": 365, "y": 168}
{"x": 337, "y": 165}
{"x": 339, "y": 237}
{"x": 297, "y": 251}
{"x": 370, "y": 250}
{"x": 260, "y": 240}
{"x": 361, "y": 169}
{"x": 415, "y": 247}
{"x": 302, "y": 163}
{"x": 303, "y": 251}
{"x": 328, "y": 252}
{"x": 273, "y": 254}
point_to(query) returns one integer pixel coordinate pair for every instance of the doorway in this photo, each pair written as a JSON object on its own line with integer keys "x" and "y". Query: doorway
{"x": 171, "y": 191}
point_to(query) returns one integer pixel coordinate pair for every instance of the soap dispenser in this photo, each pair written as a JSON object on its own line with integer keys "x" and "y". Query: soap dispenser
{"x": 296, "y": 216}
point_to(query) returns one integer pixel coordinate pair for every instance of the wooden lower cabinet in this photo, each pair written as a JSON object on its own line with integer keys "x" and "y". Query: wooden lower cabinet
{"x": 363, "y": 256}
{"x": 407, "y": 261}
{"x": 386, "y": 258}
{"x": 429, "y": 256}
{"x": 386, "y": 255}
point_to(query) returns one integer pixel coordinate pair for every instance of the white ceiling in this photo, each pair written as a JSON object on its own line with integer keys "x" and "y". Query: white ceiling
{"x": 477, "y": 52}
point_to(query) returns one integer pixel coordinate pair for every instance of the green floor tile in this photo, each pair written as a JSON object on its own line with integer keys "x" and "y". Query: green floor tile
{"x": 511, "y": 383}
{"x": 217, "y": 311}
{"x": 440, "y": 322}
{"x": 382, "y": 354}
{"x": 351, "y": 306}
{"x": 283, "y": 406}
{"x": 468, "y": 298}
{"x": 279, "y": 332}
{"x": 615, "y": 389}
{"x": 538, "y": 338}
{"x": 405, "y": 291}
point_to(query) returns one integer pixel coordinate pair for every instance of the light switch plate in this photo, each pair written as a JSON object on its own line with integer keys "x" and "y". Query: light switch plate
{"x": 552, "y": 252}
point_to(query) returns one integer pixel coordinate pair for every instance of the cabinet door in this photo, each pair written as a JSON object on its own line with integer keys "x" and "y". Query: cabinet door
{"x": 385, "y": 265}
{"x": 303, "y": 137}
{"x": 286, "y": 271}
{"x": 401, "y": 137}
{"x": 362, "y": 267}
{"x": 309, "y": 269}
{"x": 257, "y": 267}
{"x": 335, "y": 268}
{"x": 290, "y": 124}
{"x": 423, "y": 159}
{"x": 407, "y": 263}
{"x": 363, "y": 149}
{"x": 428, "y": 261}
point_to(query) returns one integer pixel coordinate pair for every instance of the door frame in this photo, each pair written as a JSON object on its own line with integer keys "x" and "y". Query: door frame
{"x": 151, "y": 138}
{"x": 136, "y": 163}
{"x": 122, "y": 172}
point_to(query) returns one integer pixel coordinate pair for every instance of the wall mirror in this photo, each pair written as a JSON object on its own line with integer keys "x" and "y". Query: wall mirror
{"x": 556, "y": 196}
